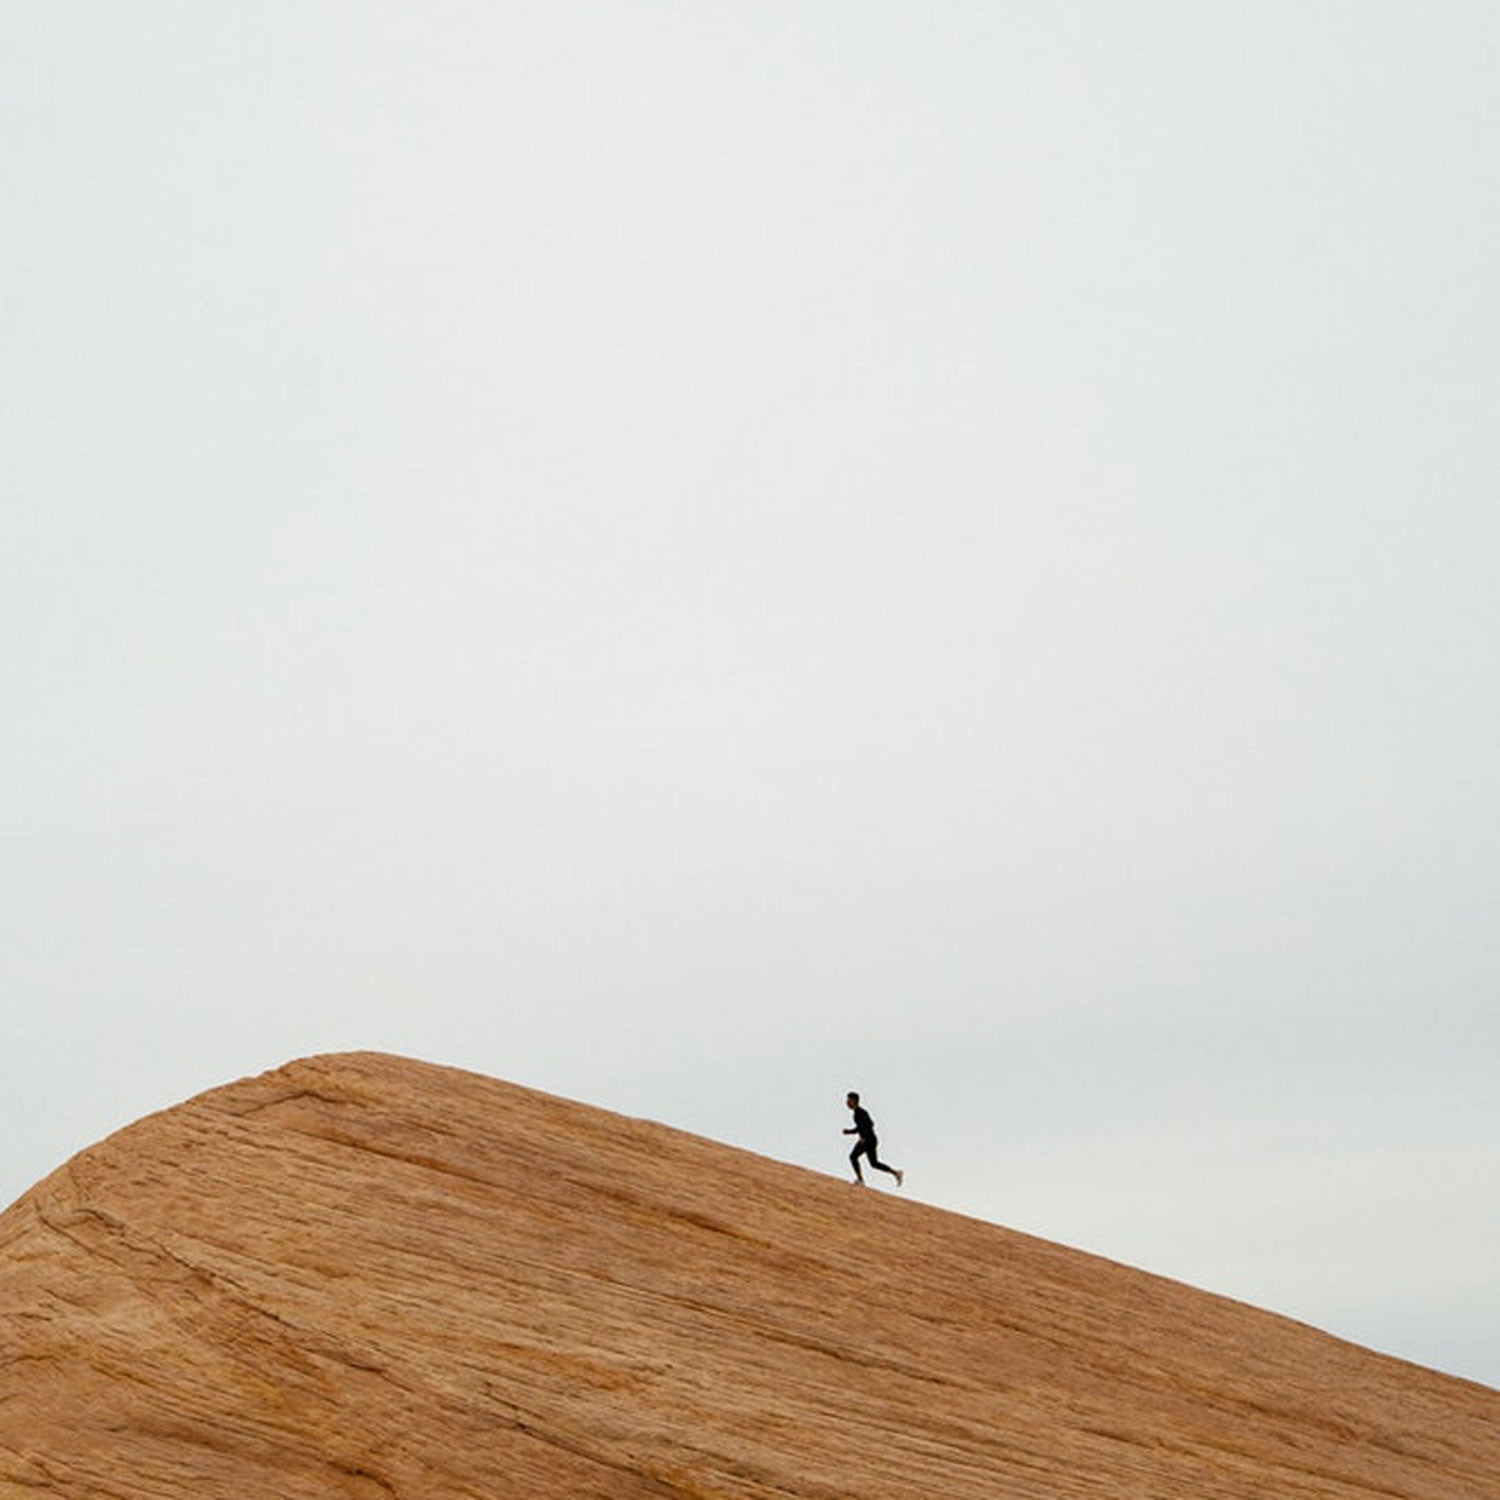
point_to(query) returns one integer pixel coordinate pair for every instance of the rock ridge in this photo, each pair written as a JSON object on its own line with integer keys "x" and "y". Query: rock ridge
{"x": 364, "y": 1276}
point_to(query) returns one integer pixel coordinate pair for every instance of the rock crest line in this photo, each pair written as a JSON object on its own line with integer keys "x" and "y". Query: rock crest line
{"x": 362, "y": 1276}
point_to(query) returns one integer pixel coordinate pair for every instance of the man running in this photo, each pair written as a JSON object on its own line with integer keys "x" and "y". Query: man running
{"x": 864, "y": 1128}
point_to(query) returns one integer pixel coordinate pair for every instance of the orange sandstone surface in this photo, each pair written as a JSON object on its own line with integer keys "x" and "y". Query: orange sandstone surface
{"x": 369, "y": 1277}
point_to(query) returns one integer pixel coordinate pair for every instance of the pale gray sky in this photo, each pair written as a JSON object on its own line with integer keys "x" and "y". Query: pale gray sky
{"x": 697, "y": 556}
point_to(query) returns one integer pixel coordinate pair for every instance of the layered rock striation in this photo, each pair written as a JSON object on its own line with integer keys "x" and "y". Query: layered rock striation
{"x": 368, "y": 1277}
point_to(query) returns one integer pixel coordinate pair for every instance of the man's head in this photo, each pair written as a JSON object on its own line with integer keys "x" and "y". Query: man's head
{"x": 852, "y": 1099}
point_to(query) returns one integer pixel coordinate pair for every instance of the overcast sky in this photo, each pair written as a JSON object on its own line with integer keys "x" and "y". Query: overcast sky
{"x": 701, "y": 555}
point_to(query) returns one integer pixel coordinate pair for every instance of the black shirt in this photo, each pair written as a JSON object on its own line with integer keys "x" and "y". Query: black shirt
{"x": 863, "y": 1123}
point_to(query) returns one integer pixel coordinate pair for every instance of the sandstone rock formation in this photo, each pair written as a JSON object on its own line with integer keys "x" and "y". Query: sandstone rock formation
{"x": 362, "y": 1276}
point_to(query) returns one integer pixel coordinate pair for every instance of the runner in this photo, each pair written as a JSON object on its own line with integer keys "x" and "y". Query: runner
{"x": 864, "y": 1128}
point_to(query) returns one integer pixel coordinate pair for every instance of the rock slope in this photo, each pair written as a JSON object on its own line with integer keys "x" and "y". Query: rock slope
{"x": 363, "y": 1276}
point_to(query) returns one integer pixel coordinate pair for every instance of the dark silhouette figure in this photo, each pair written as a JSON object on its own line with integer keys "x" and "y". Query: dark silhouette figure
{"x": 864, "y": 1128}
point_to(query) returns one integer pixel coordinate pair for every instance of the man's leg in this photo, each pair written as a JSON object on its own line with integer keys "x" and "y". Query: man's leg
{"x": 854, "y": 1157}
{"x": 880, "y": 1166}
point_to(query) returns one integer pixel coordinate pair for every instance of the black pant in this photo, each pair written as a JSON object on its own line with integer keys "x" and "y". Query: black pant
{"x": 866, "y": 1147}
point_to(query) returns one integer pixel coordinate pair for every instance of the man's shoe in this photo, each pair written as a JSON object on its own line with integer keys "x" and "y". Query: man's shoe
{"x": 900, "y": 1177}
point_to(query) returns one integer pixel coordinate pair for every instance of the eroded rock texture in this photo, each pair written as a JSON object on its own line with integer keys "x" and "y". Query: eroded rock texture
{"x": 368, "y": 1277}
